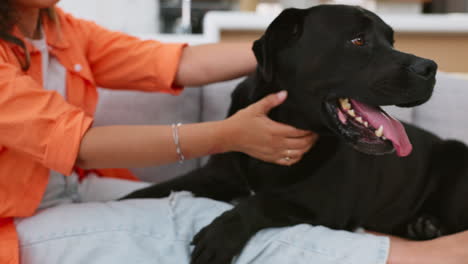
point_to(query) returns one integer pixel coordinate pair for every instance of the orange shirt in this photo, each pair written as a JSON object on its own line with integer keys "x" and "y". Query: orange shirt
{"x": 39, "y": 130}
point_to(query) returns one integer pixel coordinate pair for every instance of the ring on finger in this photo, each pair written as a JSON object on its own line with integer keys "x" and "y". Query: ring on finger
{"x": 288, "y": 156}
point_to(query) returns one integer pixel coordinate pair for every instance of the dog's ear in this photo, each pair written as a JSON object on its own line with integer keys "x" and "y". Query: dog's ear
{"x": 286, "y": 28}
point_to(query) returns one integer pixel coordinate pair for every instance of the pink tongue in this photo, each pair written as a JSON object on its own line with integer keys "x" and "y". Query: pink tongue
{"x": 393, "y": 129}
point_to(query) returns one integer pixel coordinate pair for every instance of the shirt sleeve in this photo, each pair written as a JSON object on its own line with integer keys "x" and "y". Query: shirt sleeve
{"x": 37, "y": 122}
{"x": 120, "y": 61}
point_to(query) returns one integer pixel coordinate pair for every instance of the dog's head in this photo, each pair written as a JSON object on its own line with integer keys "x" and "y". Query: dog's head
{"x": 338, "y": 65}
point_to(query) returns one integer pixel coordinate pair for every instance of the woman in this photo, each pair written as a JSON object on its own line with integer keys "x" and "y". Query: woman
{"x": 50, "y": 66}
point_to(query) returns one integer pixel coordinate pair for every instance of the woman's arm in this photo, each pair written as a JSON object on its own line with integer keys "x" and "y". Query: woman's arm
{"x": 140, "y": 146}
{"x": 249, "y": 131}
{"x": 209, "y": 63}
{"x": 121, "y": 61}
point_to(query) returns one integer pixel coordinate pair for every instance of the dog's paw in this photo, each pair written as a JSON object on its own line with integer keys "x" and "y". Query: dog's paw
{"x": 424, "y": 227}
{"x": 221, "y": 241}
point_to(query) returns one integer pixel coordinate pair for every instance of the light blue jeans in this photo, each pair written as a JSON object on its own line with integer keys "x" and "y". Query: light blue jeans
{"x": 72, "y": 228}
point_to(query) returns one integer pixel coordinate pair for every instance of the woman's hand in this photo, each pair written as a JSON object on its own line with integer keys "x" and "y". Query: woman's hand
{"x": 252, "y": 132}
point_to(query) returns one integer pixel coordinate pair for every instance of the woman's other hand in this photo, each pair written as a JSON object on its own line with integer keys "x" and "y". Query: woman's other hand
{"x": 251, "y": 131}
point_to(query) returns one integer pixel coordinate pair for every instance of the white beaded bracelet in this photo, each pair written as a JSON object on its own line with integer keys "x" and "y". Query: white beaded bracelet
{"x": 175, "y": 135}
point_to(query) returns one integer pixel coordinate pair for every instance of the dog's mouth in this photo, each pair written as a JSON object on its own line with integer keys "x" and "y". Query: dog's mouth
{"x": 368, "y": 128}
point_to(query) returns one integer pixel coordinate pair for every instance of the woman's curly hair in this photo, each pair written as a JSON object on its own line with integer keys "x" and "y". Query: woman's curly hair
{"x": 7, "y": 16}
{"x": 8, "y": 19}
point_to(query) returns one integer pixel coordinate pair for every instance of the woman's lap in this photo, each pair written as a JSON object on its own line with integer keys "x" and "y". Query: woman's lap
{"x": 132, "y": 231}
{"x": 160, "y": 231}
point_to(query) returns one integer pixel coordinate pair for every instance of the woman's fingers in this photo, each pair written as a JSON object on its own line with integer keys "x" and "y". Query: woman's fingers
{"x": 295, "y": 149}
{"x": 288, "y": 161}
{"x": 269, "y": 102}
{"x": 288, "y": 131}
{"x": 292, "y": 154}
{"x": 299, "y": 143}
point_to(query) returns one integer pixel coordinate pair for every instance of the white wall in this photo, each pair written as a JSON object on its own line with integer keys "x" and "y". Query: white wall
{"x": 131, "y": 16}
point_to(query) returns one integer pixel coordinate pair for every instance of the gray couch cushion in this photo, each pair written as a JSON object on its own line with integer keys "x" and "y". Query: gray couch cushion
{"x": 217, "y": 99}
{"x": 140, "y": 108}
{"x": 446, "y": 112}
{"x": 403, "y": 114}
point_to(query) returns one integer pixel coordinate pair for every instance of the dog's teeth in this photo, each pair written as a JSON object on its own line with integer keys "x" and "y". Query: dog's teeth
{"x": 359, "y": 119}
{"x": 384, "y": 138}
{"x": 344, "y": 102}
{"x": 379, "y": 132}
{"x": 366, "y": 124}
{"x": 351, "y": 113}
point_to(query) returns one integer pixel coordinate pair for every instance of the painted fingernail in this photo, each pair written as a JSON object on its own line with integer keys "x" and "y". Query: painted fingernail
{"x": 282, "y": 95}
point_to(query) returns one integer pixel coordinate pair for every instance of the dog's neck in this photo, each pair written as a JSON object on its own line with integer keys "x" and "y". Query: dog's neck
{"x": 282, "y": 113}
{"x": 287, "y": 112}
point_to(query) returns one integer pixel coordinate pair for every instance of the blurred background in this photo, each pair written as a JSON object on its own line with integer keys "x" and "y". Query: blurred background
{"x": 436, "y": 29}
{"x": 164, "y": 16}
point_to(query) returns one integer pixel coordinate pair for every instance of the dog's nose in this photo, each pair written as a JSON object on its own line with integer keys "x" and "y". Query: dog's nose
{"x": 424, "y": 68}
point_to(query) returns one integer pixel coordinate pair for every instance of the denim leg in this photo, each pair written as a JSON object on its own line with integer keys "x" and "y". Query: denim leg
{"x": 130, "y": 231}
{"x": 133, "y": 231}
{"x": 314, "y": 244}
{"x": 298, "y": 244}
{"x": 160, "y": 231}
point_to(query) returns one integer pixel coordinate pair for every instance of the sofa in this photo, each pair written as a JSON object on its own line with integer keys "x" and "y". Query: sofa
{"x": 446, "y": 113}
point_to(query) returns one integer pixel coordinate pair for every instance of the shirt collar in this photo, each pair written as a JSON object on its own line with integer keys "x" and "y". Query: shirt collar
{"x": 53, "y": 35}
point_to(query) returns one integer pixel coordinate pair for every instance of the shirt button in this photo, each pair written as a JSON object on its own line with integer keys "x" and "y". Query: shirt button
{"x": 78, "y": 67}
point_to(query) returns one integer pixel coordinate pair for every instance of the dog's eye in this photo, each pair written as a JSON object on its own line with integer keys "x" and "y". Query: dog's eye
{"x": 359, "y": 41}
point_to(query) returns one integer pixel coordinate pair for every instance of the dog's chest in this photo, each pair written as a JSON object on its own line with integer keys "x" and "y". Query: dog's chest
{"x": 262, "y": 176}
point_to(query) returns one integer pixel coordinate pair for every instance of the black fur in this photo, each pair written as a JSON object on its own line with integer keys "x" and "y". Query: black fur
{"x": 337, "y": 184}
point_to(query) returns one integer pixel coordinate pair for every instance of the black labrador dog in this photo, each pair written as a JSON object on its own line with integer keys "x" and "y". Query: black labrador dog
{"x": 338, "y": 65}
